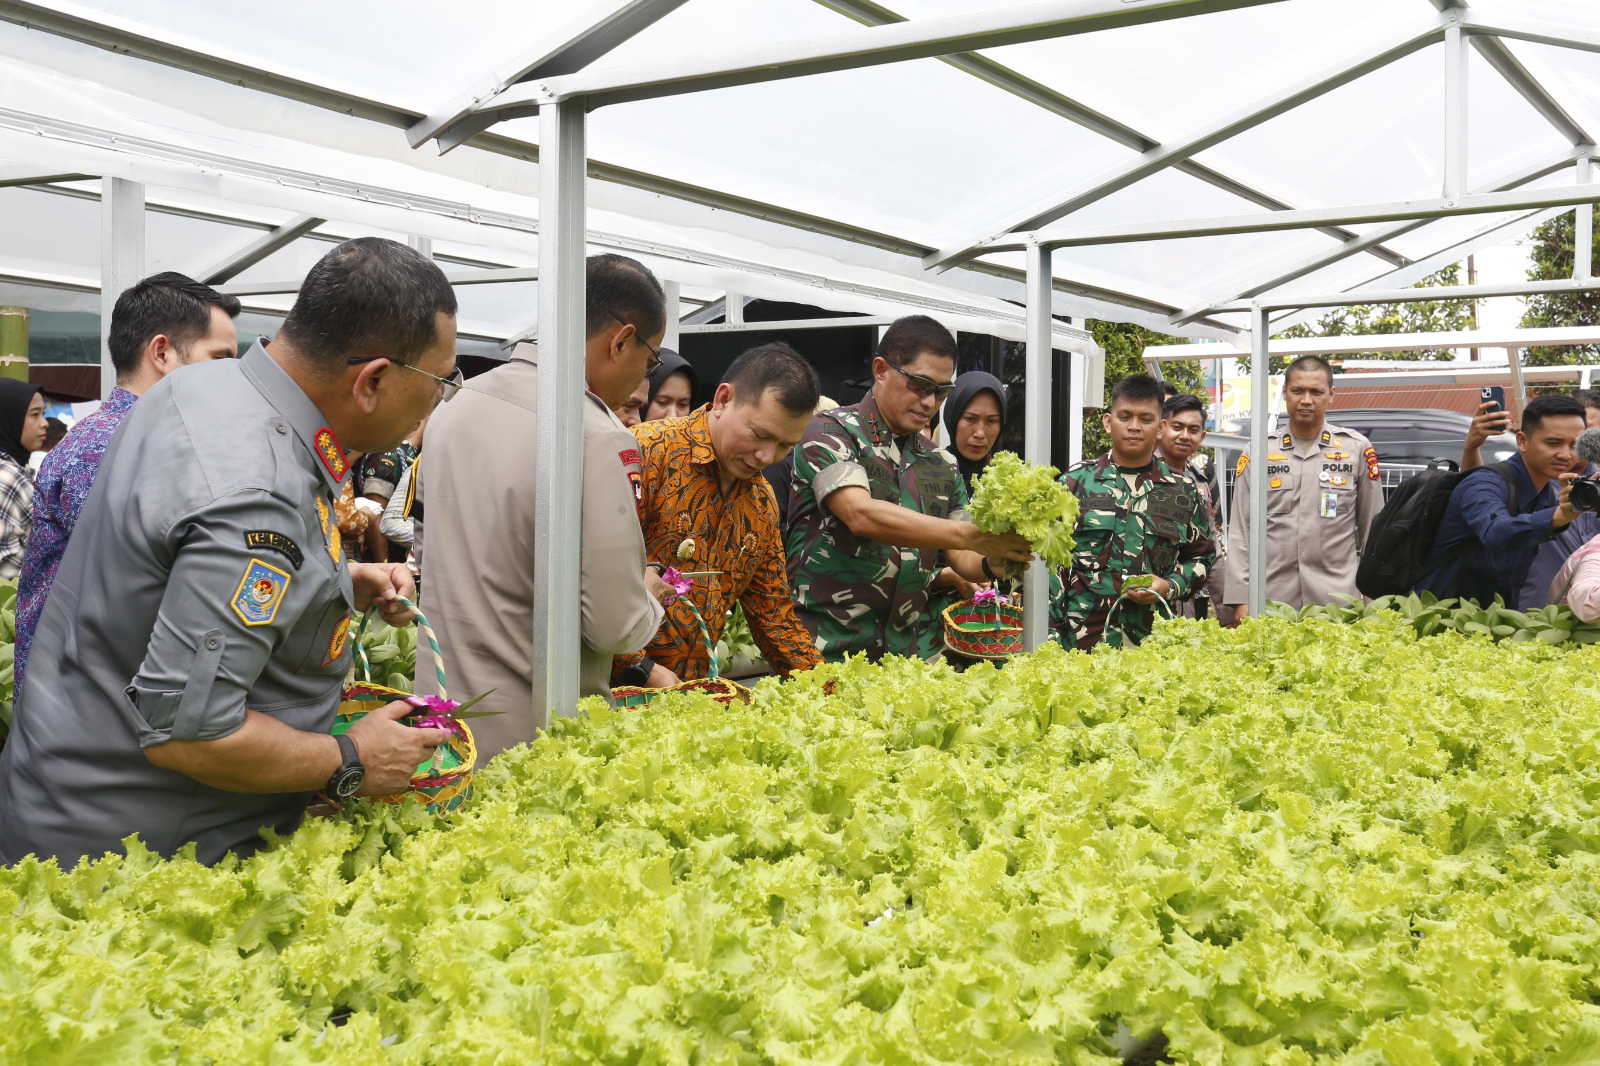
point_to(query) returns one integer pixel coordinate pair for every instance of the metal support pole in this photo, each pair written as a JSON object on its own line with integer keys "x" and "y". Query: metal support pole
{"x": 1260, "y": 407}
{"x": 1519, "y": 388}
{"x": 1036, "y": 432}
{"x": 733, "y": 309}
{"x": 674, "y": 293}
{"x": 121, "y": 259}
{"x": 1455, "y": 111}
{"x": 1583, "y": 229}
{"x": 421, "y": 244}
{"x": 558, "y": 460}
{"x": 1078, "y": 364}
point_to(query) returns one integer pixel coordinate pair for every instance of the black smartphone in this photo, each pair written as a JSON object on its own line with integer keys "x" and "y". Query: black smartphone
{"x": 1495, "y": 394}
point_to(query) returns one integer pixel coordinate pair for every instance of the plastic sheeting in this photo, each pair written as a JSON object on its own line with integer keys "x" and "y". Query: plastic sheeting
{"x": 919, "y": 152}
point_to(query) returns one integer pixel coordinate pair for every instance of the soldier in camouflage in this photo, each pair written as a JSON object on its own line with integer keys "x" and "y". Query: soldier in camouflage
{"x": 874, "y": 505}
{"x": 1136, "y": 517}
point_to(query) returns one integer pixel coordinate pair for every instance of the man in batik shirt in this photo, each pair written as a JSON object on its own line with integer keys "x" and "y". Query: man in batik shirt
{"x": 705, "y": 509}
{"x": 164, "y": 322}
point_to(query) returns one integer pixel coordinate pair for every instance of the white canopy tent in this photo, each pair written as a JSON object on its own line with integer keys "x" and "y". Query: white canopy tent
{"x": 1076, "y": 158}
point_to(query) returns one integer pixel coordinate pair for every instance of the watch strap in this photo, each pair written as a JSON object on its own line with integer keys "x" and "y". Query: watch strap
{"x": 347, "y": 750}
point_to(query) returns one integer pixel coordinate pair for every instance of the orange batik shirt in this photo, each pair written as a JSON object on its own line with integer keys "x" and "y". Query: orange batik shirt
{"x": 680, "y": 498}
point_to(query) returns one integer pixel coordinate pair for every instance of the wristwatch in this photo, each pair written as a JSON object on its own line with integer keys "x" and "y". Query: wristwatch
{"x": 346, "y": 780}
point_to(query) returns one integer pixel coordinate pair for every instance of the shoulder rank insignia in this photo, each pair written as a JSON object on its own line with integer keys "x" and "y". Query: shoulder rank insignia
{"x": 260, "y": 591}
{"x": 331, "y": 454}
{"x": 1244, "y": 461}
{"x": 336, "y": 645}
{"x": 1326, "y": 437}
{"x": 1288, "y": 439}
{"x": 1371, "y": 456}
{"x": 267, "y": 540}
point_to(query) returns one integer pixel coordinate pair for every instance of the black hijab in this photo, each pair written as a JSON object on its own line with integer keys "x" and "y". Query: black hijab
{"x": 672, "y": 363}
{"x": 968, "y": 386}
{"x": 15, "y": 396}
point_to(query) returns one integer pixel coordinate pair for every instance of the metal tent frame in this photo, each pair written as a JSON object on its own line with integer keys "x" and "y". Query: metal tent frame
{"x": 557, "y": 80}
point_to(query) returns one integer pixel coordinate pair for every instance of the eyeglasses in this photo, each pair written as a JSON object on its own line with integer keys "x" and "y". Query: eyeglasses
{"x": 655, "y": 356}
{"x": 455, "y": 381}
{"x": 925, "y": 387}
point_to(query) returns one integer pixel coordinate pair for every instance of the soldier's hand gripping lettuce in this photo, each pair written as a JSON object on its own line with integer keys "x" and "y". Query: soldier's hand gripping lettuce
{"x": 1016, "y": 496}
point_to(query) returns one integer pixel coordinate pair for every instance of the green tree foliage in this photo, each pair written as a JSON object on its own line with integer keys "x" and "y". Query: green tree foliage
{"x": 1125, "y": 344}
{"x": 1430, "y": 316}
{"x": 1551, "y": 256}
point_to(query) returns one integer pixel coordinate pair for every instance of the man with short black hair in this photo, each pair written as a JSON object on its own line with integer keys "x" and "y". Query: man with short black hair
{"x": 476, "y": 476}
{"x": 701, "y": 493}
{"x": 160, "y": 324}
{"x": 874, "y": 502}
{"x": 1136, "y": 518}
{"x": 1323, "y": 491}
{"x": 1490, "y": 532}
{"x": 1181, "y": 433}
{"x": 187, "y": 666}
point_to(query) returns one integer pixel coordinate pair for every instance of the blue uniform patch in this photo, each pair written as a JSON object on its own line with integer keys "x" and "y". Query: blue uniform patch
{"x": 260, "y": 592}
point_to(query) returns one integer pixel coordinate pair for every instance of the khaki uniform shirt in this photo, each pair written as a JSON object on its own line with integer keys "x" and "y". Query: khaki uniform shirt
{"x": 476, "y": 477}
{"x": 1322, "y": 495}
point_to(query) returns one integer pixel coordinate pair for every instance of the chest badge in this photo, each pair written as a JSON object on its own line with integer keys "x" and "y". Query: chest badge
{"x": 1277, "y": 457}
{"x": 259, "y": 594}
{"x": 1337, "y": 480}
{"x": 336, "y": 645}
{"x": 331, "y": 454}
{"x": 1276, "y": 483}
{"x": 1337, "y": 455}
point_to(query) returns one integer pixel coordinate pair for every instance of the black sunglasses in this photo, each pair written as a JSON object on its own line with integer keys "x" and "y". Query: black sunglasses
{"x": 925, "y": 387}
{"x": 456, "y": 379}
{"x": 655, "y": 356}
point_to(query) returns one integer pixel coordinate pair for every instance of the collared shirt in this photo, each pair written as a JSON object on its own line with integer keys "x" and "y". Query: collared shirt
{"x": 381, "y": 471}
{"x": 1131, "y": 521}
{"x": 736, "y": 532}
{"x": 855, "y": 594}
{"x": 1552, "y": 555}
{"x": 1480, "y": 507}
{"x": 1322, "y": 494}
{"x": 476, "y": 475}
{"x": 204, "y": 577}
{"x": 62, "y": 486}
{"x": 16, "y": 514}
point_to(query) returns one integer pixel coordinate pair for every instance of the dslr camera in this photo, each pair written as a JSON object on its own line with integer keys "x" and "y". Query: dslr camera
{"x": 1585, "y": 494}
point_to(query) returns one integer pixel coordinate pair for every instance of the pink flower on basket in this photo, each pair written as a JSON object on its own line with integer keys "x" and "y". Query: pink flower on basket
{"x": 439, "y": 714}
{"x": 680, "y": 585}
{"x": 988, "y": 598}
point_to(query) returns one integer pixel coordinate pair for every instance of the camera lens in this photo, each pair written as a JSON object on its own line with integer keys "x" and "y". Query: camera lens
{"x": 1585, "y": 495}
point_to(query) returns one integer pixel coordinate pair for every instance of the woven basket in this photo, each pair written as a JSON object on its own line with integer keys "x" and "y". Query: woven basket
{"x": 970, "y": 630}
{"x": 718, "y": 688}
{"x": 443, "y": 782}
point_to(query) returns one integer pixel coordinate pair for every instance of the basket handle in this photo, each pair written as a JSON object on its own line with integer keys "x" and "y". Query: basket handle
{"x": 364, "y": 666}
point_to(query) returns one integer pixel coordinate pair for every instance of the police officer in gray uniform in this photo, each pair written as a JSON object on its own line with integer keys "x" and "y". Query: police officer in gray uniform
{"x": 188, "y": 663}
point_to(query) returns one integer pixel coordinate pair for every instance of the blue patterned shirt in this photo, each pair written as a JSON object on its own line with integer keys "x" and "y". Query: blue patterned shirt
{"x": 62, "y": 486}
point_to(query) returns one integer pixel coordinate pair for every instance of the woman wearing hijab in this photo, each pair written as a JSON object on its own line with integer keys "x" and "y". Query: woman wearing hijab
{"x": 672, "y": 388}
{"x": 22, "y": 431}
{"x": 974, "y": 415}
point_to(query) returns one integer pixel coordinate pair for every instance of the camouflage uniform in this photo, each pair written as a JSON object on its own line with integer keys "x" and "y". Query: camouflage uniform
{"x": 855, "y": 594}
{"x": 1144, "y": 521}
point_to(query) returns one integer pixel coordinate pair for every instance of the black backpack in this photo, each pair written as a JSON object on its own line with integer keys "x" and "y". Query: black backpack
{"x": 1401, "y": 537}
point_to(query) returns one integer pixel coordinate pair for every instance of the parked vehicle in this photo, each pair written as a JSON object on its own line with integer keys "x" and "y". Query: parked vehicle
{"x": 1407, "y": 437}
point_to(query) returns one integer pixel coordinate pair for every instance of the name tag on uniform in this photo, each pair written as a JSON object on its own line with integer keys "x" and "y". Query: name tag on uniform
{"x": 1330, "y": 505}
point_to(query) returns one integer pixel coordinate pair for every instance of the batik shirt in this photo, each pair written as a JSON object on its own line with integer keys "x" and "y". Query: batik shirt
{"x": 63, "y": 485}
{"x": 735, "y": 533}
{"x": 1131, "y": 520}
{"x": 856, "y": 594}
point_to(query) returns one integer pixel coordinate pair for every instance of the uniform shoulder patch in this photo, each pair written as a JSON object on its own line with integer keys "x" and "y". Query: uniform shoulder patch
{"x": 1244, "y": 461}
{"x": 630, "y": 456}
{"x": 259, "y": 594}
{"x": 269, "y": 540}
{"x": 1370, "y": 454}
{"x": 331, "y": 454}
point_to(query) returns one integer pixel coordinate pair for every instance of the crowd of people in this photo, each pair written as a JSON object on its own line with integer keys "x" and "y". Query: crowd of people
{"x": 193, "y": 555}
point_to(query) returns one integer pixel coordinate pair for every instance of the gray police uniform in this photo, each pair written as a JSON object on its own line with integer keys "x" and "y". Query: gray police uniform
{"x": 204, "y": 576}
